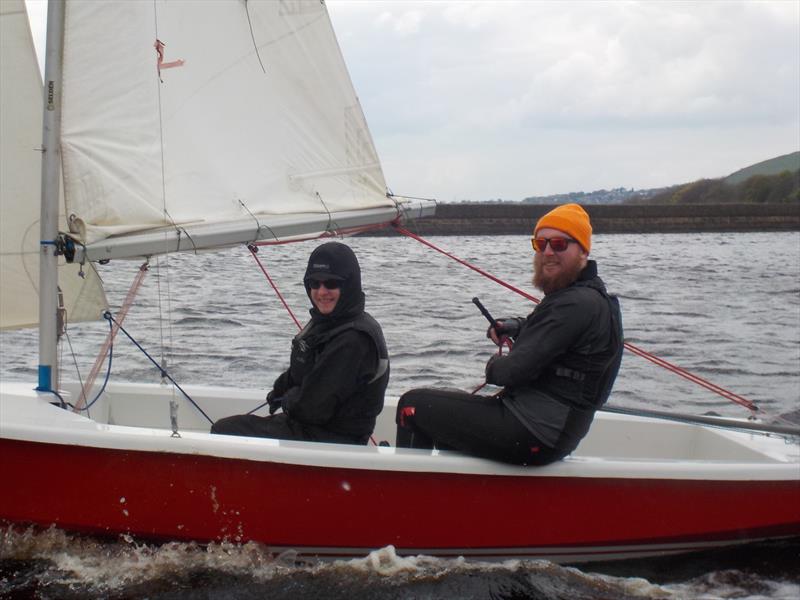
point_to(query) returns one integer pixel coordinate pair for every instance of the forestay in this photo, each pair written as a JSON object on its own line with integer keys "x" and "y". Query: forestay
{"x": 20, "y": 183}
{"x": 247, "y": 107}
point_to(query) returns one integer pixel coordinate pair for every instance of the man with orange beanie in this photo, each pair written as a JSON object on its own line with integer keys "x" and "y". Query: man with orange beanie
{"x": 564, "y": 360}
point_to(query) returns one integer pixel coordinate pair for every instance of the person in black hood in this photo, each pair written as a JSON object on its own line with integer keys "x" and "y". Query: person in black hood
{"x": 562, "y": 366}
{"x": 339, "y": 366}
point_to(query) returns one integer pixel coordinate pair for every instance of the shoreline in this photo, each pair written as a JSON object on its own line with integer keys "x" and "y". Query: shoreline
{"x": 511, "y": 219}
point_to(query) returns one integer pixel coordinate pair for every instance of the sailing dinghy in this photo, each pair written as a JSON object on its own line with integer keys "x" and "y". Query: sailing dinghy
{"x": 236, "y": 123}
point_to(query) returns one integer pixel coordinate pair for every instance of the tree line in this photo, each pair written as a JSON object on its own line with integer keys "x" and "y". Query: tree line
{"x": 758, "y": 189}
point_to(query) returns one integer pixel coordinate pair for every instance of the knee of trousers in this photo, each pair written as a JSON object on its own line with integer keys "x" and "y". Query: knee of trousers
{"x": 225, "y": 425}
{"x": 406, "y": 408}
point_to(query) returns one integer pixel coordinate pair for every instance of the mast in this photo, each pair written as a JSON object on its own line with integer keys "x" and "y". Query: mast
{"x": 51, "y": 162}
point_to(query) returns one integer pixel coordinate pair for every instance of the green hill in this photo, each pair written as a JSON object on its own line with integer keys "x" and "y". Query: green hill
{"x": 771, "y": 181}
{"x": 773, "y": 166}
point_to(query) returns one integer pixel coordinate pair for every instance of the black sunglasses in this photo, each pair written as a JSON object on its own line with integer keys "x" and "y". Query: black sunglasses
{"x": 558, "y": 244}
{"x": 331, "y": 284}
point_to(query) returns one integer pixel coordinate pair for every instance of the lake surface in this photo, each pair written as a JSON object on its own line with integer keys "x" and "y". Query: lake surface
{"x": 725, "y": 307}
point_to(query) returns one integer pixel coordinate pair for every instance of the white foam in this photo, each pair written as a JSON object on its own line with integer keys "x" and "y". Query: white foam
{"x": 102, "y": 567}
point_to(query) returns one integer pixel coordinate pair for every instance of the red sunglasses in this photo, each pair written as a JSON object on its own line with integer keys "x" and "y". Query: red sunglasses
{"x": 558, "y": 244}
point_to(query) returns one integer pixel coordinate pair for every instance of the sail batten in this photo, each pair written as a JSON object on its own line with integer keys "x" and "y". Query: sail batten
{"x": 257, "y": 108}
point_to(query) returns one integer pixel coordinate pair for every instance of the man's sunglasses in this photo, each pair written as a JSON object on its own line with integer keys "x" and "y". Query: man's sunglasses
{"x": 331, "y": 284}
{"x": 558, "y": 244}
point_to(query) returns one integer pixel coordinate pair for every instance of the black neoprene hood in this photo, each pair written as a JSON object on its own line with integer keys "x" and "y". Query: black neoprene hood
{"x": 334, "y": 260}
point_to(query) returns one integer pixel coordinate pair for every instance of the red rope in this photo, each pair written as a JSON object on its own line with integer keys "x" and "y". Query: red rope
{"x": 253, "y": 251}
{"x": 253, "y": 247}
{"x": 507, "y": 342}
{"x": 516, "y": 290}
{"x": 123, "y": 312}
{"x": 636, "y": 350}
{"x": 733, "y": 397}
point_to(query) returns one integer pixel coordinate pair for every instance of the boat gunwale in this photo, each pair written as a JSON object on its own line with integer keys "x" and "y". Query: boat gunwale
{"x": 46, "y": 423}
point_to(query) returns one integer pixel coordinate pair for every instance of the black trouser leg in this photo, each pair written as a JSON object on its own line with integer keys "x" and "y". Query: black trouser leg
{"x": 477, "y": 425}
{"x": 276, "y": 426}
{"x": 409, "y": 436}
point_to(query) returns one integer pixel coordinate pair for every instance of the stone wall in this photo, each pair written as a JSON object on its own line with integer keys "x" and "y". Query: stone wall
{"x": 502, "y": 219}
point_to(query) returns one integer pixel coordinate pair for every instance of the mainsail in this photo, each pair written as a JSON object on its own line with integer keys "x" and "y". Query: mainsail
{"x": 20, "y": 182}
{"x": 214, "y": 123}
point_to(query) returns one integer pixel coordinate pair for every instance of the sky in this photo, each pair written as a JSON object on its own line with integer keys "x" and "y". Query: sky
{"x": 503, "y": 99}
{"x": 474, "y": 100}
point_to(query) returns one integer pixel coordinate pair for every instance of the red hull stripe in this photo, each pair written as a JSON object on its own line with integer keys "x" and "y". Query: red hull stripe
{"x": 155, "y": 495}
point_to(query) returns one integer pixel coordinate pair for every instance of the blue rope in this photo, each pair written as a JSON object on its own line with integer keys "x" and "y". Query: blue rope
{"x": 64, "y": 404}
{"x": 61, "y": 402}
{"x": 107, "y": 315}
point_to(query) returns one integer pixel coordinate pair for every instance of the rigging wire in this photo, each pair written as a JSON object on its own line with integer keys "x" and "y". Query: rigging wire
{"x": 77, "y": 407}
{"x": 159, "y": 299}
{"x": 82, "y": 398}
{"x": 162, "y": 370}
{"x": 632, "y": 348}
{"x": 173, "y": 403}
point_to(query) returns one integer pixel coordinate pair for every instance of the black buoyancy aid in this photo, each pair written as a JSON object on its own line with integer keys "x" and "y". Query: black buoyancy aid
{"x": 594, "y": 384}
{"x": 307, "y": 345}
{"x": 609, "y": 374}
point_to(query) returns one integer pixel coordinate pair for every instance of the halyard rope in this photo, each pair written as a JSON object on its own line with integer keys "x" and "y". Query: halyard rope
{"x": 254, "y": 252}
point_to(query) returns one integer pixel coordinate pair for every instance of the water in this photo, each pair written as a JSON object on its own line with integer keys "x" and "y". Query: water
{"x": 723, "y": 306}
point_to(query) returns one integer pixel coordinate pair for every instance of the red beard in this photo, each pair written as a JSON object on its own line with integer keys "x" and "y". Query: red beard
{"x": 564, "y": 278}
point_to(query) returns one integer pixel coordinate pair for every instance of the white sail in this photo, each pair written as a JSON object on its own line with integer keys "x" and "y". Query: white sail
{"x": 20, "y": 182}
{"x": 253, "y": 111}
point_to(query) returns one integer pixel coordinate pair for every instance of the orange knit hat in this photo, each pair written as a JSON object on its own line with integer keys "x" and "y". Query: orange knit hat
{"x": 572, "y": 220}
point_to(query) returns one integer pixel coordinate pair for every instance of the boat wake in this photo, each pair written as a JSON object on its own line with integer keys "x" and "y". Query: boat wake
{"x": 53, "y": 564}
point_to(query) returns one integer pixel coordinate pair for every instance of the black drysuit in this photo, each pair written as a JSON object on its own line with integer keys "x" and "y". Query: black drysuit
{"x": 334, "y": 387}
{"x": 560, "y": 371}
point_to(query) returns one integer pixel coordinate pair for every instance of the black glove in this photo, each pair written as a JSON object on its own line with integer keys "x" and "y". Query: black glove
{"x": 505, "y": 327}
{"x": 275, "y": 402}
{"x": 282, "y": 384}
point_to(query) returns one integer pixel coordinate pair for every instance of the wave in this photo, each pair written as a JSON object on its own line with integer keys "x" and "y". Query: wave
{"x": 51, "y": 563}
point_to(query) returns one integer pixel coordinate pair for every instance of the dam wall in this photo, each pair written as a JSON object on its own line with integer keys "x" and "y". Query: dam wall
{"x": 507, "y": 218}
